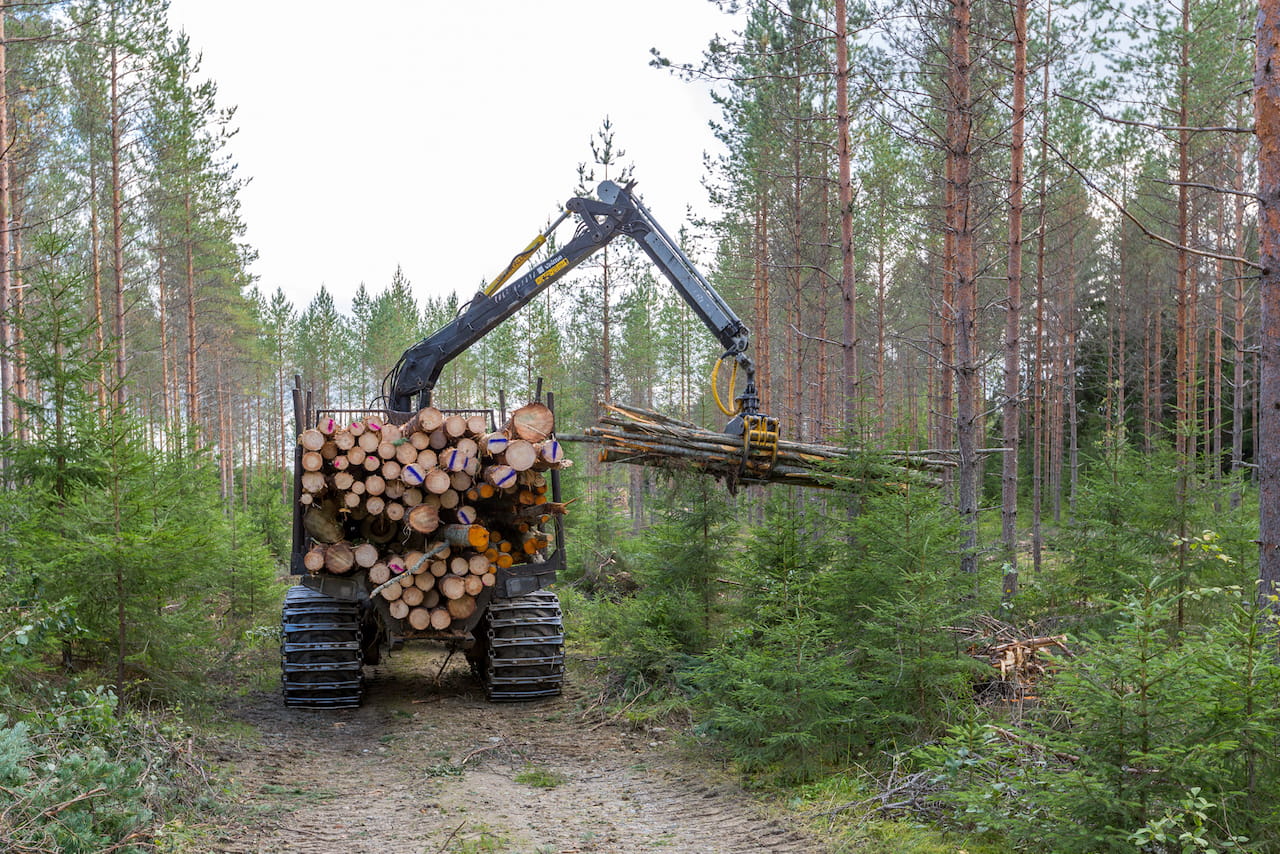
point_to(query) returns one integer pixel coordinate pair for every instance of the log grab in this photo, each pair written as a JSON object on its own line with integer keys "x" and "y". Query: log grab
{"x": 616, "y": 211}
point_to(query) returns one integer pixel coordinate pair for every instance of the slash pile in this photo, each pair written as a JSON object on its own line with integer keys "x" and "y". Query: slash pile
{"x": 428, "y": 511}
{"x": 628, "y": 434}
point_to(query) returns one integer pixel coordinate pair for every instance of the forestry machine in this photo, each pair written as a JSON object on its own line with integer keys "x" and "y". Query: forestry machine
{"x": 332, "y": 626}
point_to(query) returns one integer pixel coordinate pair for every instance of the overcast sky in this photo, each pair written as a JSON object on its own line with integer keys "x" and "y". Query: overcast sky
{"x": 440, "y": 136}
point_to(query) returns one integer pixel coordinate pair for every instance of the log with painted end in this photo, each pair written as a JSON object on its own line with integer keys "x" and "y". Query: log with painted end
{"x": 500, "y": 476}
{"x": 474, "y": 536}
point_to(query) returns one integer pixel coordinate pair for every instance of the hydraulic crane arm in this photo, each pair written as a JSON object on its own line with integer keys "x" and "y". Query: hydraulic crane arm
{"x": 616, "y": 212}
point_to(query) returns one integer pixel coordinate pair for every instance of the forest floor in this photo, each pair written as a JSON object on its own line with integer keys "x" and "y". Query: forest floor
{"x": 427, "y": 766}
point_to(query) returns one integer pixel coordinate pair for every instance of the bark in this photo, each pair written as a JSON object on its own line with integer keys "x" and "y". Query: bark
{"x": 1267, "y": 123}
{"x": 117, "y": 225}
{"x": 1013, "y": 307}
{"x": 959, "y": 149}
{"x": 7, "y": 410}
{"x": 848, "y": 340}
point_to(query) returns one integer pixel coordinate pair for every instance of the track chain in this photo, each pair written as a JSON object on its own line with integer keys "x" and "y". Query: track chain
{"x": 523, "y": 648}
{"x": 320, "y": 651}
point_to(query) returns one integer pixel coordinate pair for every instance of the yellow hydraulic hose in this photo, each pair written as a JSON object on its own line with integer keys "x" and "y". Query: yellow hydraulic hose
{"x": 715, "y": 387}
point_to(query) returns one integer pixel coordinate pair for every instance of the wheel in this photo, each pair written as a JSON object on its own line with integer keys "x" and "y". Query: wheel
{"x": 320, "y": 651}
{"x": 520, "y": 648}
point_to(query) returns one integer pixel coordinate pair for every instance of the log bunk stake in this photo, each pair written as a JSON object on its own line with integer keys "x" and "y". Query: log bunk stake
{"x": 428, "y": 511}
{"x": 628, "y": 434}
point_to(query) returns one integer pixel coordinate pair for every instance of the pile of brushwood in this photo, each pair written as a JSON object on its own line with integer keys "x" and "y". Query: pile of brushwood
{"x": 628, "y": 434}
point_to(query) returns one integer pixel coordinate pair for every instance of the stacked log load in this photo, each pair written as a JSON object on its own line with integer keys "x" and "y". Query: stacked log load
{"x": 429, "y": 510}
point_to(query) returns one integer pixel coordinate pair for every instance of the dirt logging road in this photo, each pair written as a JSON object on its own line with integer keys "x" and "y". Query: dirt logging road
{"x": 428, "y": 768}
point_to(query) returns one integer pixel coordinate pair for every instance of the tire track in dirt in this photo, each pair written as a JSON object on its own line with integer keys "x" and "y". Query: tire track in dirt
{"x": 425, "y": 767}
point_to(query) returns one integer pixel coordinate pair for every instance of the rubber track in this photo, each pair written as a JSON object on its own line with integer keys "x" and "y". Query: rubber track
{"x": 320, "y": 654}
{"x": 524, "y": 648}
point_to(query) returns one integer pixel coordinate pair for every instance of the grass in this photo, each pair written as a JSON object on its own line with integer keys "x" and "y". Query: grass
{"x": 540, "y": 778}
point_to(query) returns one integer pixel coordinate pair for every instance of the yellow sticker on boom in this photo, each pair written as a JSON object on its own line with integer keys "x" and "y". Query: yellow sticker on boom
{"x": 556, "y": 268}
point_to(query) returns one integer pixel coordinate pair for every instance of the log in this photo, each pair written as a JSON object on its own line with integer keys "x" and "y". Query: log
{"x": 339, "y": 463}
{"x": 344, "y": 439}
{"x": 477, "y": 424}
{"x": 391, "y": 433}
{"x": 390, "y": 471}
{"x": 494, "y": 443}
{"x": 374, "y": 484}
{"x": 339, "y": 559}
{"x": 451, "y": 586}
{"x": 424, "y": 581}
{"x": 440, "y": 619}
{"x": 468, "y": 446}
{"x": 436, "y": 481}
{"x": 455, "y": 426}
{"x": 424, "y": 519}
{"x": 489, "y": 580}
{"x": 387, "y": 449}
{"x": 465, "y": 515}
{"x": 393, "y": 490}
{"x": 305, "y": 499}
{"x": 366, "y": 555}
{"x": 461, "y": 608}
{"x": 342, "y": 481}
{"x": 313, "y": 560}
{"x": 391, "y": 592}
{"x": 413, "y": 474}
{"x": 369, "y": 441}
{"x": 426, "y": 420}
{"x": 427, "y": 459}
{"x": 312, "y": 461}
{"x": 412, "y": 596}
{"x": 473, "y": 585}
{"x": 520, "y": 455}
{"x": 327, "y": 426}
{"x": 449, "y": 499}
{"x": 419, "y": 441}
{"x": 438, "y": 439}
{"x": 439, "y": 568}
{"x": 394, "y": 511}
{"x": 378, "y": 573}
{"x": 356, "y": 457}
{"x": 399, "y": 609}
{"x": 463, "y": 536}
{"x": 500, "y": 476}
{"x": 412, "y": 497}
{"x": 356, "y": 428}
{"x": 313, "y": 481}
{"x": 459, "y": 565}
{"x": 311, "y": 439}
{"x": 374, "y": 505}
{"x": 321, "y": 522}
{"x": 532, "y": 422}
{"x": 550, "y": 454}
{"x": 431, "y": 599}
{"x": 358, "y": 487}
{"x": 420, "y": 618}
{"x": 329, "y": 450}
{"x": 452, "y": 459}
{"x": 351, "y": 500}
{"x": 478, "y": 564}
{"x": 406, "y": 453}
{"x": 372, "y": 463}
{"x": 460, "y": 481}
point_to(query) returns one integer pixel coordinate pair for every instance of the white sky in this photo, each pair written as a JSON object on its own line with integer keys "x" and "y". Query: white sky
{"x": 440, "y": 136}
